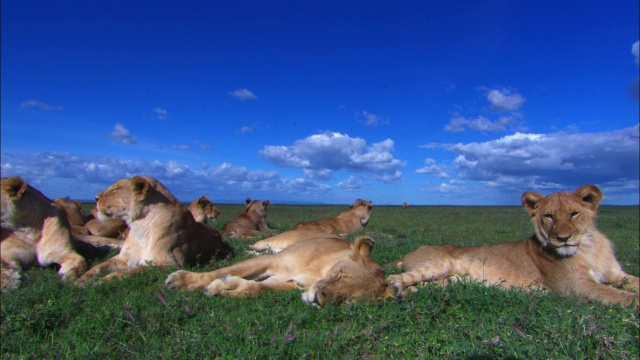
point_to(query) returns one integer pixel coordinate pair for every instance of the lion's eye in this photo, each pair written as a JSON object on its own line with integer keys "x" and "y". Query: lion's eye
{"x": 574, "y": 214}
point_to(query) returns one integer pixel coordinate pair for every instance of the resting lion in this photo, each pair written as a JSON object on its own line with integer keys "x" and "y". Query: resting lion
{"x": 327, "y": 268}
{"x": 251, "y": 222}
{"x": 162, "y": 231}
{"x": 203, "y": 210}
{"x": 567, "y": 254}
{"x": 75, "y": 213}
{"x": 35, "y": 231}
{"x": 344, "y": 223}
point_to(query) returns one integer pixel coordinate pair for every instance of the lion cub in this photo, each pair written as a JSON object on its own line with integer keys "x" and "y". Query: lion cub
{"x": 251, "y": 222}
{"x": 567, "y": 254}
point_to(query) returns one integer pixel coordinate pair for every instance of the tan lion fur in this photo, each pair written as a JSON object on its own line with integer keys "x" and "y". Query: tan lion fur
{"x": 567, "y": 254}
{"x": 344, "y": 223}
{"x": 108, "y": 227}
{"x": 327, "y": 268}
{"x": 251, "y": 222}
{"x": 279, "y": 242}
{"x": 162, "y": 231}
{"x": 203, "y": 210}
{"x": 75, "y": 213}
{"x": 35, "y": 231}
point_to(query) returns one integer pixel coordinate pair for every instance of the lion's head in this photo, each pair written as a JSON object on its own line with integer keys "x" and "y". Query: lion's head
{"x": 363, "y": 209}
{"x": 204, "y": 209}
{"x": 256, "y": 207}
{"x": 128, "y": 199}
{"x": 20, "y": 201}
{"x": 355, "y": 279}
{"x": 74, "y": 210}
{"x": 563, "y": 220}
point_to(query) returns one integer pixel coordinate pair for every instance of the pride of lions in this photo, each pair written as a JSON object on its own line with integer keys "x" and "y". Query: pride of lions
{"x": 150, "y": 227}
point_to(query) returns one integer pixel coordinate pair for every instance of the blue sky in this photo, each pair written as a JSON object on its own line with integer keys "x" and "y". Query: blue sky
{"x": 452, "y": 102}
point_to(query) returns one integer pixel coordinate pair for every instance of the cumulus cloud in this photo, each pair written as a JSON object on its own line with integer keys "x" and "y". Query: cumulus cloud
{"x": 459, "y": 123}
{"x": 86, "y": 176}
{"x": 243, "y": 94}
{"x": 373, "y": 119}
{"x": 38, "y": 105}
{"x": 505, "y": 100}
{"x": 245, "y": 130}
{"x": 122, "y": 135}
{"x": 634, "y": 51}
{"x": 161, "y": 113}
{"x": 551, "y": 160}
{"x": 332, "y": 151}
{"x": 432, "y": 168}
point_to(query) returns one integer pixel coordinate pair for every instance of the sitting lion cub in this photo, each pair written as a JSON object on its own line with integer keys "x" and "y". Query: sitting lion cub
{"x": 567, "y": 254}
{"x": 162, "y": 231}
{"x": 251, "y": 222}
{"x": 35, "y": 231}
{"x": 344, "y": 223}
{"x": 327, "y": 268}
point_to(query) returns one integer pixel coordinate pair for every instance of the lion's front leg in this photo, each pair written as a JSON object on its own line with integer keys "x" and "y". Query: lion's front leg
{"x": 187, "y": 280}
{"x": 113, "y": 265}
{"x": 234, "y": 286}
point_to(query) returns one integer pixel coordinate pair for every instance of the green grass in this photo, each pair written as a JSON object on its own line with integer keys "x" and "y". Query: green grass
{"x": 138, "y": 318}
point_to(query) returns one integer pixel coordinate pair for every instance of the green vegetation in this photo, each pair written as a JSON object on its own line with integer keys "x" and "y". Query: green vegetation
{"x": 139, "y": 318}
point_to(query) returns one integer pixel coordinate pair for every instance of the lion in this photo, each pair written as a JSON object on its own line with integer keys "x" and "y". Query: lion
{"x": 405, "y": 205}
{"x": 327, "y": 268}
{"x": 251, "y": 222}
{"x": 162, "y": 231}
{"x": 35, "y": 231}
{"x": 108, "y": 227}
{"x": 567, "y": 254}
{"x": 75, "y": 213}
{"x": 344, "y": 223}
{"x": 203, "y": 210}
{"x": 280, "y": 241}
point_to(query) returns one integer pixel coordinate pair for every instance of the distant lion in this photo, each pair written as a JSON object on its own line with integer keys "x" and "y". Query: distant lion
{"x": 567, "y": 254}
{"x": 203, "y": 209}
{"x": 251, "y": 222}
{"x": 405, "y": 205}
{"x": 344, "y": 223}
{"x": 326, "y": 269}
{"x": 162, "y": 231}
{"x": 35, "y": 231}
{"x": 75, "y": 213}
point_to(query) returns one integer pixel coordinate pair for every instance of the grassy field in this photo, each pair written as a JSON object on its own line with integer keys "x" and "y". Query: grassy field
{"x": 138, "y": 318}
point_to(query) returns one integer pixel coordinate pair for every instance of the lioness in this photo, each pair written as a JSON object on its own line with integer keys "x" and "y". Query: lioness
{"x": 251, "y": 222}
{"x": 278, "y": 242}
{"x": 567, "y": 254}
{"x": 327, "y": 268}
{"x": 344, "y": 223}
{"x": 161, "y": 230}
{"x": 34, "y": 231}
{"x": 75, "y": 213}
{"x": 203, "y": 210}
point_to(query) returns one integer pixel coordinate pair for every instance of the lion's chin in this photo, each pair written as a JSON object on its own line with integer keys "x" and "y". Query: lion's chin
{"x": 567, "y": 250}
{"x": 103, "y": 217}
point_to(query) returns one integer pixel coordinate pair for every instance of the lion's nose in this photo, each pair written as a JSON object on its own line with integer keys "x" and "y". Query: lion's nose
{"x": 564, "y": 238}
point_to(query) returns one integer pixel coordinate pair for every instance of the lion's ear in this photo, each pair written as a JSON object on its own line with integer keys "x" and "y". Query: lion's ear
{"x": 248, "y": 201}
{"x": 530, "y": 201}
{"x": 590, "y": 194}
{"x": 363, "y": 246}
{"x": 140, "y": 186}
{"x": 266, "y": 204}
{"x": 14, "y": 187}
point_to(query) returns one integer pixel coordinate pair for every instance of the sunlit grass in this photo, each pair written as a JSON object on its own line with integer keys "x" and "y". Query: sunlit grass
{"x": 138, "y": 318}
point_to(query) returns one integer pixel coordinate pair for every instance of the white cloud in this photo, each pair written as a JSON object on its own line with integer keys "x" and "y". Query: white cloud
{"x": 38, "y": 105}
{"x": 243, "y": 94}
{"x": 245, "y": 130}
{"x": 561, "y": 159}
{"x": 162, "y": 113}
{"x": 324, "y": 174}
{"x": 504, "y": 100}
{"x": 122, "y": 135}
{"x": 373, "y": 119}
{"x": 432, "y": 168}
{"x": 180, "y": 147}
{"x": 350, "y": 184}
{"x": 459, "y": 123}
{"x": 84, "y": 177}
{"x": 634, "y": 51}
{"x": 331, "y": 151}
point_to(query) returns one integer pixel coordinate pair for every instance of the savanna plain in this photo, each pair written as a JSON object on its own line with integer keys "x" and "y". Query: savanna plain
{"x": 139, "y": 318}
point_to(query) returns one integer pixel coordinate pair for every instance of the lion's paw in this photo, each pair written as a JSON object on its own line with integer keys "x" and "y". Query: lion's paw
{"x": 177, "y": 280}
{"x": 227, "y": 286}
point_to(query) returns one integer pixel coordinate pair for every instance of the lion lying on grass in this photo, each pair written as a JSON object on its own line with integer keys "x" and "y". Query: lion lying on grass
{"x": 251, "y": 222}
{"x": 326, "y": 268}
{"x": 344, "y": 223}
{"x": 35, "y": 231}
{"x": 203, "y": 210}
{"x": 162, "y": 231}
{"x": 567, "y": 254}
